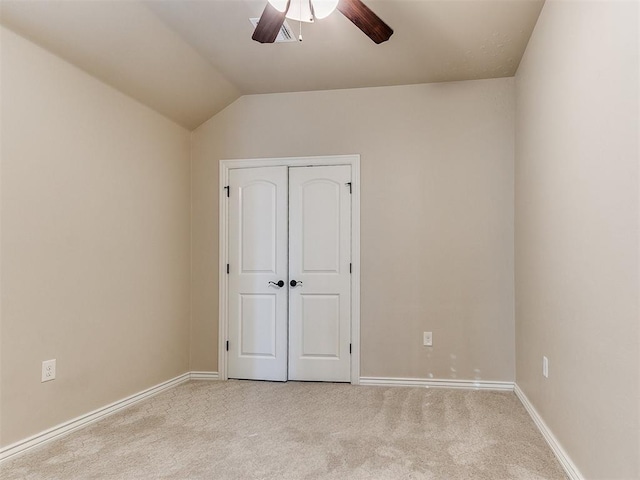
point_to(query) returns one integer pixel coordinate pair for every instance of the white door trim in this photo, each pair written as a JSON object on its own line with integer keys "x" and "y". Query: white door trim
{"x": 223, "y": 319}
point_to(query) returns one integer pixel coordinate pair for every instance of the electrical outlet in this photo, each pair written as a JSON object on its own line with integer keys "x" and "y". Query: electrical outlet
{"x": 427, "y": 339}
{"x": 545, "y": 367}
{"x": 48, "y": 370}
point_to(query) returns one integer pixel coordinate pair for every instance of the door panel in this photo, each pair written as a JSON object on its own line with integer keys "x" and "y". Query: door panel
{"x": 258, "y": 220}
{"x": 258, "y": 321}
{"x": 319, "y": 258}
{"x": 320, "y": 325}
{"x": 321, "y": 231}
{"x": 258, "y": 244}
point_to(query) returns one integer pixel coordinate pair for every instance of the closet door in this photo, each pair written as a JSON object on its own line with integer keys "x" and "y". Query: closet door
{"x": 319, "y": 273}
{"x": 258, "y": 243}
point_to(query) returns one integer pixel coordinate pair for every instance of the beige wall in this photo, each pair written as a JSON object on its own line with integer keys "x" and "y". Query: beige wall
{"x": 95, "y": 242}
{"x": 577, "y": 231}
{"x": 437, "y": 216}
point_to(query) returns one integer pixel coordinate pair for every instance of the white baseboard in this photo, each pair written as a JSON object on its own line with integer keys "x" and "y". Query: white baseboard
{"x": 91, "y": 417}
{"x": 436, "y": 383}
{"x": 569, "y": 467}
{"x": 204, "y": 376}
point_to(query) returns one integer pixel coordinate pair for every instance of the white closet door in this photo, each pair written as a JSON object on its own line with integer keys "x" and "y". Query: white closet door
{"x": 257, "y": 262}
{"x": 319, "y": 273}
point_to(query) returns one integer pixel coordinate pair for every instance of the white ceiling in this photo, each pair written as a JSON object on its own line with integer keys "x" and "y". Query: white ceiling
{"x": 188, "y": 59}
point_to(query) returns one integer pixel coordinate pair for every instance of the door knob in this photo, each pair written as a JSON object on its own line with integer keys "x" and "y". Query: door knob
{"x": 279, "y": 284}
{"x": 293, "y": 283}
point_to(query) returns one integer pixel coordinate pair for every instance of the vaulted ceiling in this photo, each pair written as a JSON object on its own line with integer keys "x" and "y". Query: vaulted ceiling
{"x": 188, "y": 59}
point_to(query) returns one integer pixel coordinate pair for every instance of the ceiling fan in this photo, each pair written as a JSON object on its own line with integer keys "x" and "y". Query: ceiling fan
{"x": 362, "y": 16}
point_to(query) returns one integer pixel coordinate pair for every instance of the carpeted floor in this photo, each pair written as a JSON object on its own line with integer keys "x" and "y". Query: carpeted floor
{"x": 258, "y": 430}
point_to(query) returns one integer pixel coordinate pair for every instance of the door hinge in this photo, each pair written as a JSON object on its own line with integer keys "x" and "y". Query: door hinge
{"x": 227, "y": 189}
{"x": 227, "y": 269}
{"x": 350, "y": 187}
{"x": 351, "y": 268}
{"x": 349, "y": 349}
{"x": 227, "y": 345}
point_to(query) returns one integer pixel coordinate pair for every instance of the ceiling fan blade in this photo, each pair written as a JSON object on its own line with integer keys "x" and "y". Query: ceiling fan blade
{"x": 367, "y": 21}
{"x": 269, "y": 24}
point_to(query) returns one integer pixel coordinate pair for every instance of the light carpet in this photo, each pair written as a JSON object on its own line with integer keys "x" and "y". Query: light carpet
{"x": 261, "y": 430}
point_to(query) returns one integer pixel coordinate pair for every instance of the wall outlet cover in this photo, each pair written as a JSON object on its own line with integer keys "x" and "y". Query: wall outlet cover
{"x": 48, "y": 370}
{"x": 427, "y": 339}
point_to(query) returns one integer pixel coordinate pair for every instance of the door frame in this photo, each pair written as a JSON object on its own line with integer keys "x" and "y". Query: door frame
{"x": 223, "y": 255}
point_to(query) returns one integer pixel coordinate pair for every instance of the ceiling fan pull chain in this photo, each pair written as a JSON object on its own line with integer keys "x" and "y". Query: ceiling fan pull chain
{"x": 300, "y": 35}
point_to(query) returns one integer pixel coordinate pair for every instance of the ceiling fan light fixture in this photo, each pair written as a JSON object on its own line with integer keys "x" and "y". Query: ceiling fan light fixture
{"x": 324, "y": 8}
{"x": 300, "y": 10}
